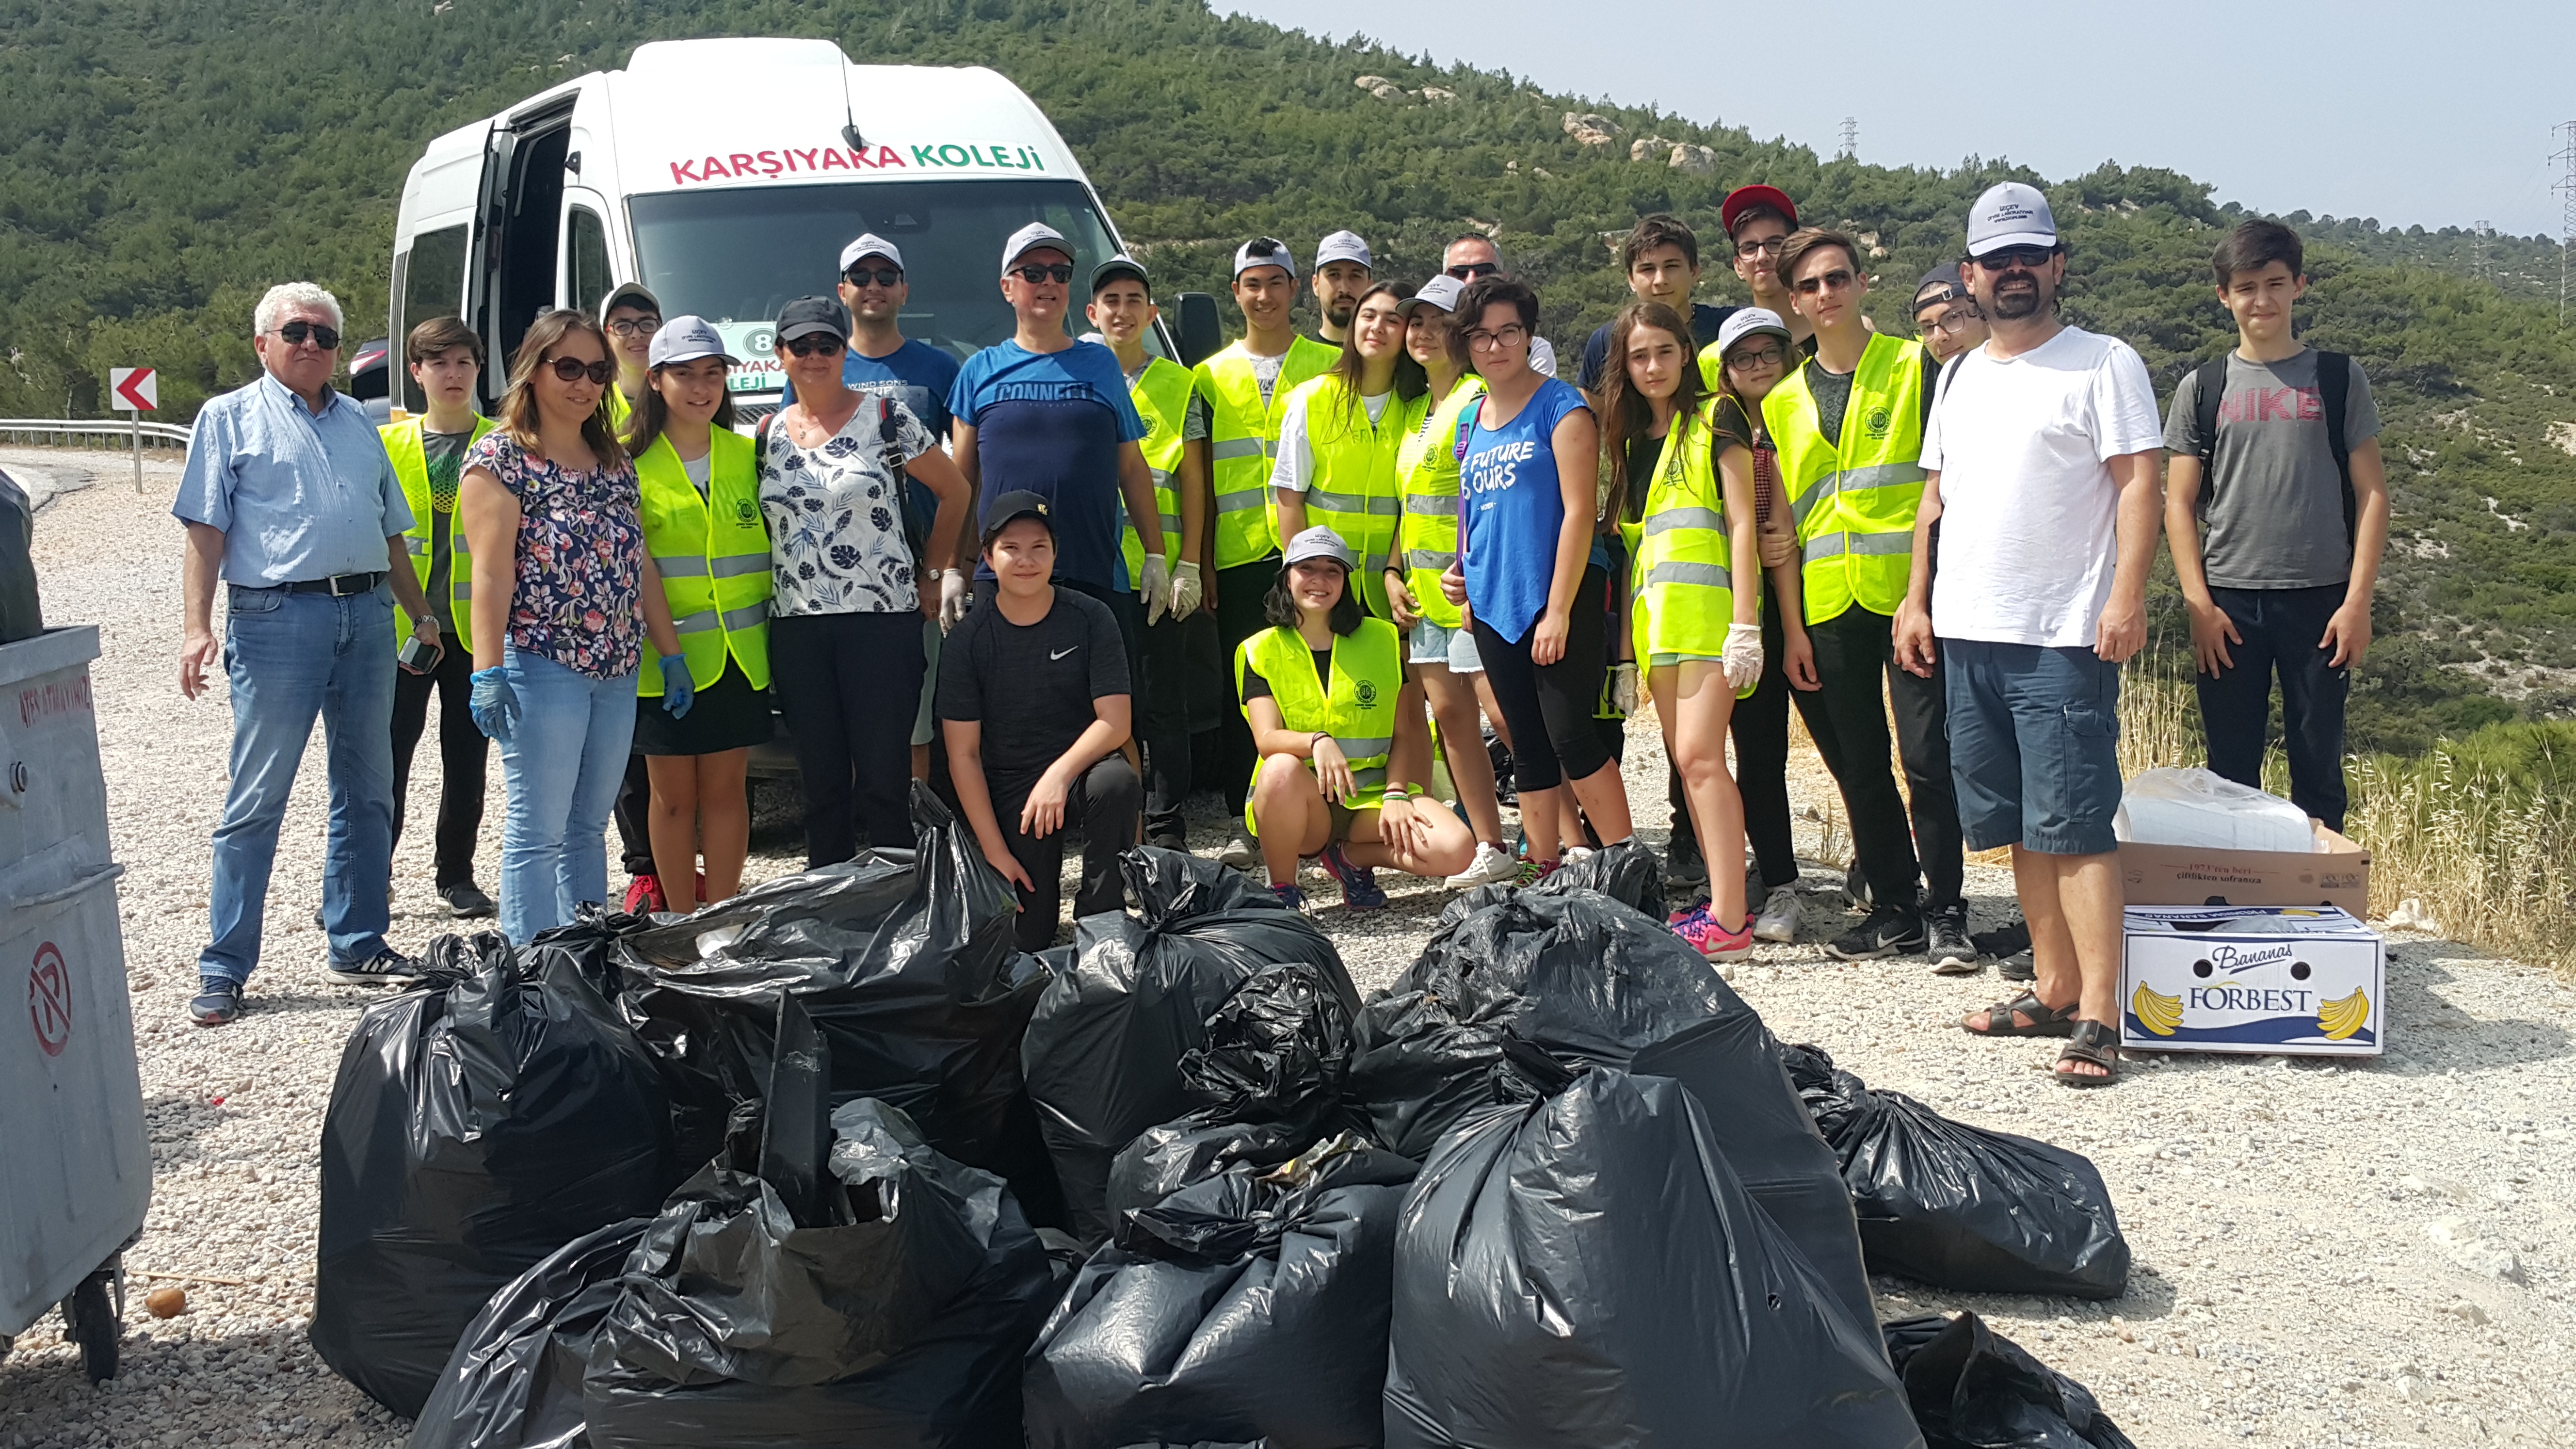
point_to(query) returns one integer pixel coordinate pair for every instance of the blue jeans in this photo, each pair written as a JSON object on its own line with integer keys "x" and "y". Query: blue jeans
{"x": 293, "y": 658}
{"x": 562, "y": 765}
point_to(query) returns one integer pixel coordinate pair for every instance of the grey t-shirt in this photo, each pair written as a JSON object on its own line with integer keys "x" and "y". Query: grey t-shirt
{"x": 445, "y": 455}
{"x": 2272, "y": 506}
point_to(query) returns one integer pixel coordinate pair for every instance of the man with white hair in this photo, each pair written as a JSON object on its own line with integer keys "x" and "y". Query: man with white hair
{"x": 290, "y": 500}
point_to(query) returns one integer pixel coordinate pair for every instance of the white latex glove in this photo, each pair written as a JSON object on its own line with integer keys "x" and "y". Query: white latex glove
{"x": 1186, "y": 592}
{"x": 954, "y": 587}
{"x": 1623, "y": 688}
{"x": 1743, "y": 654}
{"x": 1155, "y": 588}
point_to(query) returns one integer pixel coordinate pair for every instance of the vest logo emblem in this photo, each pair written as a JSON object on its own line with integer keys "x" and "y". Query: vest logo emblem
{"x": 1879, "y": 422}
{"x": 1367, "y": 694}
{"x": 744, "y": 513}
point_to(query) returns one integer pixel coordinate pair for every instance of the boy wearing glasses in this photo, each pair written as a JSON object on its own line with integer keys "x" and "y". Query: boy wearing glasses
{"x": 1945, "y": 316}
{"x": 1849, "y": 426}
{"x": 2041, "y": 465}
{"x": 630, "y": 316}
{"x": 1758, "y": 220}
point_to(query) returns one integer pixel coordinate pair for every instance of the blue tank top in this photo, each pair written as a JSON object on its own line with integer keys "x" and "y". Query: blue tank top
{"x": 1511, "y": 507}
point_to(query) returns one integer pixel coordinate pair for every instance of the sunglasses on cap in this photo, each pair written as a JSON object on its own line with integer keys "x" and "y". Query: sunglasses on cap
{"x": 573, "y": 369}
{"x": 2004, "y": 259}
{"x": 813, "y": 344}
{"x": 323, "y": 336}
{"x": 1057, "y": 272}
{"x": 882, "y": 276}
{"x": 1470, "y": 271}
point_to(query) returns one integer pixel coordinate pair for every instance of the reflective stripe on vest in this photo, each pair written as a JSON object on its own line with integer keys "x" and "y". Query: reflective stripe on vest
{"x": 1243, "y": 437}
{"x": 1162, "y": 398}
{"x": 1354, "y": 490}
{"x": 712, "y": 551}
{"x": 1854, "y": 502}
{"x": 1426, "y": 466}
{"x": 1682, "y": 573}
{"x": 1359, "y": 713}
{"x": 410, "y": 455}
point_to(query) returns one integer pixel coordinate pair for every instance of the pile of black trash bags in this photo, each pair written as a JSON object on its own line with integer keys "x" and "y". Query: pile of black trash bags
{"x": 830, "y": 1163}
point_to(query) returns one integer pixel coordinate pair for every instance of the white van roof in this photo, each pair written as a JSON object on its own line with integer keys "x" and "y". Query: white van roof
{"x": 690, "y": 115}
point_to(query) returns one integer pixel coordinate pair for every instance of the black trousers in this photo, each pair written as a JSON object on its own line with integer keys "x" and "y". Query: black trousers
{"x": 634, "y": 799}
{"x": 462, "y": 750}
{"x": 850, "y": 685}
{"x": 1855, "y": 660}
{"x": 1239, "y": 592}
{"x": 1103, "y": 804}
{"x": 1760, "y": 730}
{"x": 2281, "y": 628}
{"x": 1551, "y": 707}
{"x": 1162, "y": 713}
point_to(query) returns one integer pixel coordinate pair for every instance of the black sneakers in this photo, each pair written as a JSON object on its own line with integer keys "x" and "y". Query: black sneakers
{"x": 1684, "y": 868}
{"x": 217, "y": 1002}
{"x": 1952, "y": 952}
{"x": 1888, "y": 931}
{"x": 466, "y": 901}
{"x": 387, "y": 967}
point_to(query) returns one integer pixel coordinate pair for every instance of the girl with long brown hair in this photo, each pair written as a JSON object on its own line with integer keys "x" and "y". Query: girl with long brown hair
{"x": 1338, "y": 436}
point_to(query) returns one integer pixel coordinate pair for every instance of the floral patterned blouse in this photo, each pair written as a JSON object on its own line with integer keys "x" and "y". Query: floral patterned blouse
{"x": 578, "y": 600}
{"x": 836, "y": 539}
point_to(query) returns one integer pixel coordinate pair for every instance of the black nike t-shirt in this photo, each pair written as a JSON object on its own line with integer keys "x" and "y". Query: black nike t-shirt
{"x": 1031, "y": 687}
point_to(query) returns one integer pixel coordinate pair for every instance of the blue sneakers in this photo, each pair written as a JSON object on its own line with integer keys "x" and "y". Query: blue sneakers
{"x": 1359, "y": 883}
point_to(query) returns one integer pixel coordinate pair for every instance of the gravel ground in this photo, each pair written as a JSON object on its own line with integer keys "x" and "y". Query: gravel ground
{"x": 2344, "y": 1253}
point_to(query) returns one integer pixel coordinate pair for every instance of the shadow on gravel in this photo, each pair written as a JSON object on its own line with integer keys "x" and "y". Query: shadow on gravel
{"x": 258, "y": 1387}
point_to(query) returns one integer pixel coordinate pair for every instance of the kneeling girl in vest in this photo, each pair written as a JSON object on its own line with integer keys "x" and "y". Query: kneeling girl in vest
{"x": 1690, "y": 532}
{"x": 1340, "y": 735}
{"x": 702, "y": 525}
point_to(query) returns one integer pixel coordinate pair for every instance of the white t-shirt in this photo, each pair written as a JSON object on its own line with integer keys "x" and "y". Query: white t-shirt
{"x": 1542, "y": 356}
{"x": 1296, "y": 466}
{"x": 2028, "y": 505}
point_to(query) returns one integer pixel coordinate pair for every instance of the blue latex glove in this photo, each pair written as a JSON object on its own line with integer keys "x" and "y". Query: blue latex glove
{"x": 679, "y": 691}
{"x": 495, "y": 702}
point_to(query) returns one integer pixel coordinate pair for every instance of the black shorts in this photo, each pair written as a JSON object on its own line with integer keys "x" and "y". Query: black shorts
{"x": 726, "y": 715}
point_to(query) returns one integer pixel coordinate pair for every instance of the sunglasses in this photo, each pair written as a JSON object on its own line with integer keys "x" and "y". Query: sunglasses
{"x": 572, "y": 369}
{"x": 1470, "y": 271}
{"x": 882, "y": 276}
{"x": 814, "y": 344}
{"x": 1044, "y": 272}
{"x": 1751, "y": 358}
{"x": 1751, "y": 249}
{"x": 1833, "y": 281}
{"x": 2007, "y": 258}
{"x": 295, "y": 334}
{"x": 635, "y": 326}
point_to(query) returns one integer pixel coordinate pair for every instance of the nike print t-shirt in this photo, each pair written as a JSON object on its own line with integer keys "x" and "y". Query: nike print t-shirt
{"x": 1031, "y": 687}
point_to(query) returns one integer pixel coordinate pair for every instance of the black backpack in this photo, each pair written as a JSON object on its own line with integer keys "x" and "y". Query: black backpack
{"x": 2334, "y": 388}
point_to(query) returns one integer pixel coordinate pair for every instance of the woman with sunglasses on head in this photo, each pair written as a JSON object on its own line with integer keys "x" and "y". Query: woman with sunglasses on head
{"x": 702, "y": 527}
{"x": 1530, "y": 568}
{"x": 845, "y": 610}
{"x": 564, "y": 597}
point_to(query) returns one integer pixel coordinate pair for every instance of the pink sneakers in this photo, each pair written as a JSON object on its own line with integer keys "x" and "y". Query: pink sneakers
{"x": 1712, "y": 940}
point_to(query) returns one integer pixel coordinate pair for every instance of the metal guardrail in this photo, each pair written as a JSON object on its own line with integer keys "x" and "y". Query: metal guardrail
{"x": 172, "y": 433}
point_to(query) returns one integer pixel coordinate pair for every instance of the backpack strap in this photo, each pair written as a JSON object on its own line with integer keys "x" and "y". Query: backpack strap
{"x": 2209, "y": 387}
{"x": 2334, "y": 390}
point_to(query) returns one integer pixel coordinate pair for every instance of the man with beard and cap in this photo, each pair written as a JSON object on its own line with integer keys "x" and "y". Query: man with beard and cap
{"x": 1945, "y": 316}
{"x": 2041, "y": 456}
{"x": 1343, "y": 268}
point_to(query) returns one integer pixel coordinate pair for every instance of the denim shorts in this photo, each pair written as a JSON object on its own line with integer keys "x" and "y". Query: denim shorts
{"x": 2034, "y": 745}
{"x": 1455, "y": 648}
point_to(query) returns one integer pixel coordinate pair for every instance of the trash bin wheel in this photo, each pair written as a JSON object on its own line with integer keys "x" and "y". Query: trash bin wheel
{"x": 90, "y": 1319}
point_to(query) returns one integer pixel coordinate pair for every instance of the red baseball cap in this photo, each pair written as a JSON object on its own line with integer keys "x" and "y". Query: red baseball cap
{"x": 1744, "y": 198}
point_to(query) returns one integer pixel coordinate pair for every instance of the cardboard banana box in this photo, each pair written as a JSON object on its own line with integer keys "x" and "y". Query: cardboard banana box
{"x": 2305, "y": 981}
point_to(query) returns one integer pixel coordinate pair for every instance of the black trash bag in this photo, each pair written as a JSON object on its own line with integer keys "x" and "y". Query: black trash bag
{"x": 1241, "y": 1307}
{"x": 1585, "y": 1271}
{"x": 21, "y": 616}
{"x": 1103, "y": 1051}
{"x": 514, "y": 1381}
{"x": 1269, "y": 1077}
{"x": 1962, "y": 1207}
{"x": 493, "y": 1112}
{"x": 1588, "y": 979}
{"x": 897, "y": 1320}
{"x": 902, "y": 958}
{"x": 1973, "y": 1388}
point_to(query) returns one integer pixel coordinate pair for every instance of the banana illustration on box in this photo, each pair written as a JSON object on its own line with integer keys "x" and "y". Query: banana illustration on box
{"x": 2340, "y": 1018}
{"x": 2158, "y": 1012}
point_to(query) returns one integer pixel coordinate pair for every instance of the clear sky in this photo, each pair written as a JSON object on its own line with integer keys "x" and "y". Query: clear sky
{"x": 2433, "y": 113}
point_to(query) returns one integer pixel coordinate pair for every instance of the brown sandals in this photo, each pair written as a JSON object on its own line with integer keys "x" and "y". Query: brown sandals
{"x": 2008, "y": 1019}
{"x": 2093, "y": 1043}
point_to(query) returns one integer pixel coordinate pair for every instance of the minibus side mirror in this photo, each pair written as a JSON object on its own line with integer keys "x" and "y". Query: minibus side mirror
{"x": 1201, "y": 332}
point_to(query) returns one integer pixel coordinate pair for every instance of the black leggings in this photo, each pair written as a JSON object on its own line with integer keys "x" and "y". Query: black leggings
{"x": 850, "y": 685}
{"x": 462, "y": 750}
{"x": 1760, "y": 729}
{"x": 1550, "y": 706}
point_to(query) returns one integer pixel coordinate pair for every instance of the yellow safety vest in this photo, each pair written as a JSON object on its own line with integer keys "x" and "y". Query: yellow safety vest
{"x": 411, "y": 465}
{"x": 1855, "y": 503}
{"x": 1426, "y": 464}
{"x": 1162, "y": 397}
{"x": 1682, "y": 552}
{"x": 1243, "y": 441}
{"x": 713, "y": 554}
{"x": 619, "y": 409}
{"x": 1359, "y": 713}
{"x": 1355, "y": 490}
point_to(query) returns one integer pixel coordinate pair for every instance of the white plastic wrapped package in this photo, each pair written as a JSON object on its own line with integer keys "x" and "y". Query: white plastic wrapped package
{"x": 2196, "y": 807}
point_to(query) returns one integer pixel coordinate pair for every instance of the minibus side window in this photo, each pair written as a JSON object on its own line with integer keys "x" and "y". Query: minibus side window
{"x": 433, "y": 285}
{"x": 586, "y": 259}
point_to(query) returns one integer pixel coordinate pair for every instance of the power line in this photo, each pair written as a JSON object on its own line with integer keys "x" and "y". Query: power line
{"x": 1851, "y": 140}
{"x": 2565, "y": 186}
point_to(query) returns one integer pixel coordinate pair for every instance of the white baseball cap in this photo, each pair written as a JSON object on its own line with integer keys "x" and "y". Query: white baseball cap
{"x": 1263, "y": 251}
{"x": 1029, "y": 238}
{"x": 868, "y": 245}
{"x": 1442, "y": 291}
{"x": 2010, "y": 214}
{"x": 1319, "y": 542}
{"x": 1343, "y": 246}
{"x": 686, "y": 339}
{"x": 1744, "y": 322}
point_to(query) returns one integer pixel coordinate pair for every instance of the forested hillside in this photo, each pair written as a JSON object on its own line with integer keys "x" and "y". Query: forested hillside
{"x": 161, "y": 161}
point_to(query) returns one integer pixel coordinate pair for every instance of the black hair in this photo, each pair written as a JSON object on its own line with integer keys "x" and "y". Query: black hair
{"x": 652, "y": 415}
{"x": 1625, "y": 413}
{"x": 2255, "y": 245}
{"x": 1486, "y": 292}
{"x": 1659, "y": 230}
{"x": 1280, "y": 606}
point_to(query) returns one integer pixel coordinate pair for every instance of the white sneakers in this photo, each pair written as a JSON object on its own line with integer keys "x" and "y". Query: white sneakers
{"x": 1492, "y": 863}
{"x": 1778, "y": 920}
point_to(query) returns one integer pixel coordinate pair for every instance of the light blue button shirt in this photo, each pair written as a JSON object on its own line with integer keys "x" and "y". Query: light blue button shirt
{"x": 298, "y": 495}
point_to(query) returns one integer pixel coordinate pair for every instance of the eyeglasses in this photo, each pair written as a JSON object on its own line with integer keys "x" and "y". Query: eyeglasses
{"x": 1482, "y": 340}
{"x": 635, "y": 326}
{"x": 2005, "y": 259}
{"x": 1956, "y": 319}
{"x": 1833, "y": 281}
{"x": 1751, "y": 249}
{"x": 814, "y": 343}
{"x": 882, "y": 276}
{"x": 1771, "y": 356}
{"x": 573, "y": 369}
{"x": 1470, "y": 271}
{"x": 295, "y": 333}
{"x": 1040, "y": 272}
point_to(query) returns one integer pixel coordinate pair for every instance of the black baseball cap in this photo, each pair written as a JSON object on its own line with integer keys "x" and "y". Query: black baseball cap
{"x": 1013, "y": 506}
{"x": 808, "y": 315}
{"x": 1941, "y": 284}
{"x": 1121, "y": 266}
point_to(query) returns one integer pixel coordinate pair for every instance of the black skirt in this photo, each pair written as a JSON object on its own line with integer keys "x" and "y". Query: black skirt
{"x": 726, "y": 715}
